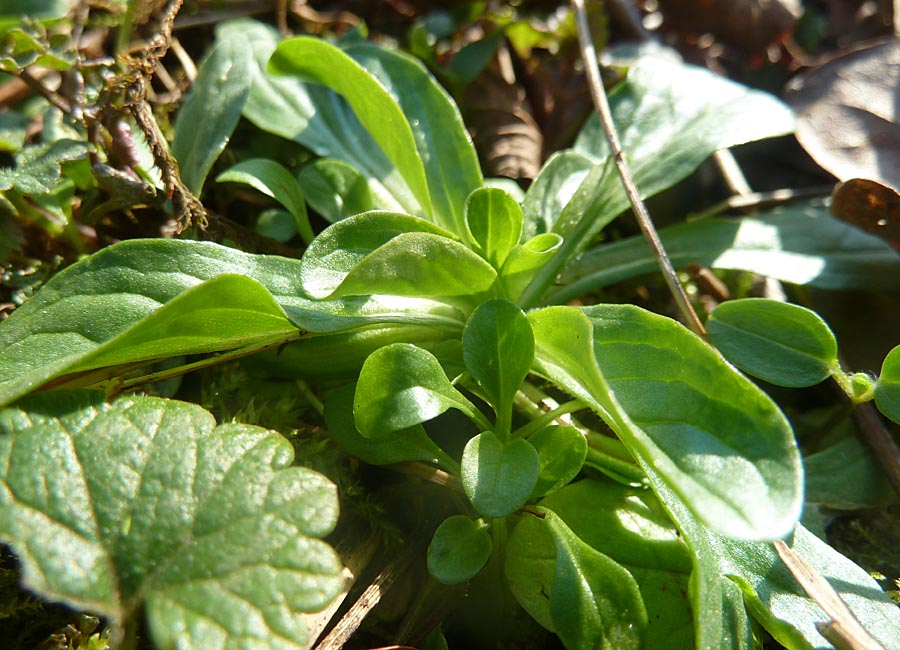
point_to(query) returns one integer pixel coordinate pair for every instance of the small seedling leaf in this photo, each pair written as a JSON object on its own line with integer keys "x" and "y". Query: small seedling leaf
{"x": 275, "y": 181}
{"x": 410, "y": 444}
{"x": 887, "y": 388}
{"x": 400, "y": 386}
{"x": 459, "y": 549}
{"x": 494, "y": 220}
{"x": 335, "y": 189}
{"x": 562, "y": 449}
{"x": 146, "y": 502}
{"x": 498, "y": 348}
{"x": 525, "y": 260}
{"x": 499, "y": 477}
{"x": 781, "y": 343}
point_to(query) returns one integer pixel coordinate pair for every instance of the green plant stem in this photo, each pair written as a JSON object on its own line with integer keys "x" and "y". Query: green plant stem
{"x": 313, "y": 399}
{"x": 545, "y": 418}
{"x": 210, "y": 361}
{"x": 601, "y": 103}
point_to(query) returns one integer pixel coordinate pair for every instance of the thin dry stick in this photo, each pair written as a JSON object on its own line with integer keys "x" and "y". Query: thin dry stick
{"x": 640, "y": 210}
{"x": 844, "y": 630}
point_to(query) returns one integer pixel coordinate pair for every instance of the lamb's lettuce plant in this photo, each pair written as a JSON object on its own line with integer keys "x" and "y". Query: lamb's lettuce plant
{"x": 442, "y": 297}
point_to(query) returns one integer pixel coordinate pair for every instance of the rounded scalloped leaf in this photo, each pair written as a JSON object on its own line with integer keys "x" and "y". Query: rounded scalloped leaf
{"x": 778, "y": 342}
{"x": 146, "y": 501}
{"x": 887, "y": 388}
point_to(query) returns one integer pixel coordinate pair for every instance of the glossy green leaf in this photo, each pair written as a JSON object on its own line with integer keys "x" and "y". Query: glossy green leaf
{"x": 58, "y": 327}
{"x": 801, "y": 245}
{"x": 411, "y": 444}
{"x": 721, "y": 621}
{"x": 777, "y": 602}
{"x": 670, "y": 117}
{"x": 781, "y": 343}
{"x": 594, "y": 601}
{"x": 846, "y": 476}
{"x": 562, "y": 449}
{"x": 498, "y": 349}
{"x": 459, "y": 549}
{"x": 400, "y": 386}
{"x": 524, "y": 262}
{"x": 390, "y": 253}
{"x": 555, "y": 185}
{"x": 146, "y": 502}
{"x": 443, "y": 142}
{"x": 335, "y": 189}
{"x": 37, "y": 170}
{"x": 316, "y": 117}
{"x": 494, "y": 220}
{"x": 12, "y": 11}
{"x": 628, "y": 526}
{"x": 887, "y": 388}
{"x": 717, "y": 441}
{"x": 273, "y": 180}
{"x": 314, "y": 60}
{"x": 499, "y": 477}
{"x": 212, "y": 110}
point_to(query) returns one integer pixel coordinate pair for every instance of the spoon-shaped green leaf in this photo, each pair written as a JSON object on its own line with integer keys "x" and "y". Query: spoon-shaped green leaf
{"x": 459, "y": 549}
{"x": 499, "y": 477}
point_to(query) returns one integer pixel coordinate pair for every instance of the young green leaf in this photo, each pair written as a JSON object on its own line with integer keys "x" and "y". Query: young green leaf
{"x": 315, "y": 117}
{"x": 273, "y": 180}
{"x": 499, "y": 477}
{"x": 717, "y": 440}
{"x": 411, "y": 444}
{"x": 145, "y": 502}
{"x": 778, "y": 342}
{"x": 624, "y": 524}
{"x": 887, "y": 388}
{"x": 207, "y": 119}
{"x": 498, "y": 348}
{"x": 594, "y": 601}
{"x": 562, "y": 450}
{"x": 444, "y": 144}
{"x": 524, "y": 262}
{"x": 552, "y": 189}
{"x": 494, "y": 221}
{"x": 335, "y": 189}
{"x": 400, "y": 386}
{"x": 459, "y": 549}
{"x": 314, "y": 60}
{"x": 802, "y": 244}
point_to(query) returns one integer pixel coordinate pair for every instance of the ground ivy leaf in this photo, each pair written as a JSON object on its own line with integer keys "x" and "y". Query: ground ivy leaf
{"x": 402, "y": 385}
{"x": 781, "y": 343}
{"x": 498, "y": 477}
{"x": 498, "y": 348}
{"x": 887, "y": 388}
{"x": 717, "y": 440}
{"x": 147, "y": 502}
{"x": 459, "y": 549}
{"x": 212, "y": 110}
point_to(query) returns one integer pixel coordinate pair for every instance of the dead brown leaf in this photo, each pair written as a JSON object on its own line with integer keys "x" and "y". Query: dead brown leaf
{"x": 847, "y": 113}
{"x": 871, "y": 206}
{"x": 748, "y": 25}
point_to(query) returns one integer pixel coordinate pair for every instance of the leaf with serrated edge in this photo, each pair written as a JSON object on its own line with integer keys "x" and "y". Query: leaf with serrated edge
{"x": 718, "y": 441}
{"x": 146, "y": 502}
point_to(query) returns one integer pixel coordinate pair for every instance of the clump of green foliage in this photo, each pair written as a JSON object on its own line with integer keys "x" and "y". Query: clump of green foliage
{"x": 636, "y": 510}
